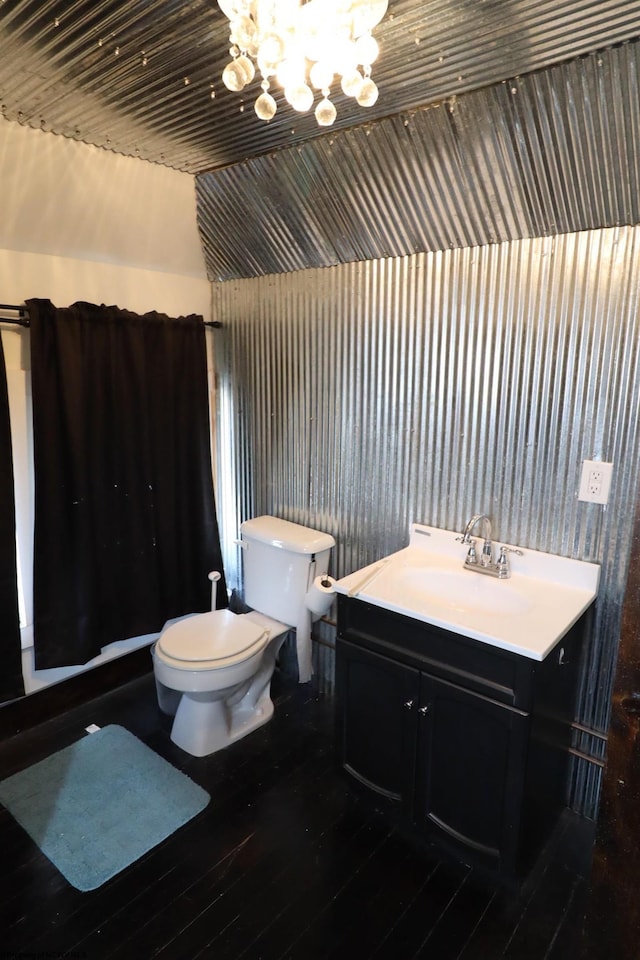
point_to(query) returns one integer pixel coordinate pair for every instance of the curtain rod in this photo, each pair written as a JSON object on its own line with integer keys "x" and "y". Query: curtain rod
{"x": 21, "y": 311}
{"x": 23, "y": 315}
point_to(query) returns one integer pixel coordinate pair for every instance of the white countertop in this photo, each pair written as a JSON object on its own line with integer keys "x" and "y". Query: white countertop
{"x": 527, "y": 614}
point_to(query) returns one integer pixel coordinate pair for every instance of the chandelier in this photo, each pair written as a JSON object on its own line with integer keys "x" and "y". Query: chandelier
{"x": 303, "y": 47}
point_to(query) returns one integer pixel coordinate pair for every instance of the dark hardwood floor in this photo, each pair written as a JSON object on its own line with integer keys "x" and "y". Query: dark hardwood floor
{"x": 283, "y": 863}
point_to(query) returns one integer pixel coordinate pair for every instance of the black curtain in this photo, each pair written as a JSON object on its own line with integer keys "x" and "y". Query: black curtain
{"x": 11, "y": 682}
{"x": 125, "y": 523}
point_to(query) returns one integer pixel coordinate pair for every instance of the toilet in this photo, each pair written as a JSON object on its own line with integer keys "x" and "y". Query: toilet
{"x": 213, "y": 670}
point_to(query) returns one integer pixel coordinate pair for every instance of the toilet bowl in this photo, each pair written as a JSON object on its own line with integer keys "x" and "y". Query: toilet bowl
{"x": 213, "y": 670}
{"x": 213, "y": 673}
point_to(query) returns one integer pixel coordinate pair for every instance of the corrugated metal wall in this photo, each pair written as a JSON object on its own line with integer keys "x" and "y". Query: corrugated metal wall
{"x": 553, "y": 152}
{"x": 360, "y": 398}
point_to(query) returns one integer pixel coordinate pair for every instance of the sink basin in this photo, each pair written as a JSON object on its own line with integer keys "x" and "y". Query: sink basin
{"x": 528, "y": 613}
{"x": 459, "y": 590}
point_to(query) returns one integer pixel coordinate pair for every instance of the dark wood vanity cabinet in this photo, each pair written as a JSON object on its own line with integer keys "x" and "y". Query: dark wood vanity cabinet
{"x": 460, "y": 743}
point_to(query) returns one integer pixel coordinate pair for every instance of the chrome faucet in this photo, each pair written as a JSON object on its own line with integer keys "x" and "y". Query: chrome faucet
{"x": 487, "y": 550}
{"x": 499, "y": 568}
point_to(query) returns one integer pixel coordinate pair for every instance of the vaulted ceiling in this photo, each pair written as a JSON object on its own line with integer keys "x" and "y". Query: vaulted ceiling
{"x": 142, "y": 78}
{"x": 136, "y": 76}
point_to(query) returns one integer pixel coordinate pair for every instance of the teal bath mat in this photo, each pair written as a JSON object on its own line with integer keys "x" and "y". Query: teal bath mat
{"x": 98, "y": 805}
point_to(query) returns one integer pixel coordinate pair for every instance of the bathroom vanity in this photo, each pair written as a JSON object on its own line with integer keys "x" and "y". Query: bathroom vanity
{"x": 459, "y": 734}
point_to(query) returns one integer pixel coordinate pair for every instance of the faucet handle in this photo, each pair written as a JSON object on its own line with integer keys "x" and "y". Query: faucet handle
{"x": 505, "y": 549}
{"x": 502, "y": 563}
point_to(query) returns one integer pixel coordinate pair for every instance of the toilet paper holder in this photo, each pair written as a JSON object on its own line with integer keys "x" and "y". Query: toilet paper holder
{"x": 320, "y": 595}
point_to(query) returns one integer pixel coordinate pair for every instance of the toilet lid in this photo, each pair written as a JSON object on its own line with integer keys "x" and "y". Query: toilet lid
{"x": 210, "y": 636}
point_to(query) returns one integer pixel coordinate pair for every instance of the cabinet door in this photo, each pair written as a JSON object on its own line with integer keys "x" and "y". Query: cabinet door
{"x": 377, "y": 702}
{"x": 470, "y": 777}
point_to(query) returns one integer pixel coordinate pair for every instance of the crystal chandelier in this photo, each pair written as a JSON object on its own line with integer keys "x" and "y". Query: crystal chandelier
{"x": 303, "y": 47}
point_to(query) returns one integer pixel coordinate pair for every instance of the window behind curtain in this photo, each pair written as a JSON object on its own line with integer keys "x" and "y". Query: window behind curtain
{"x": 125, "y": 523}
{"x": 11, "y": 682}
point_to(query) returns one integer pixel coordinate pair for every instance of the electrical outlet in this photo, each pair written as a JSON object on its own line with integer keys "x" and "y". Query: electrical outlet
{"x": 595, "y": 481}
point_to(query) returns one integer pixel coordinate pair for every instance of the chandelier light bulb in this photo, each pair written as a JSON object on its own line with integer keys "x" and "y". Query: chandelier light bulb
{"x": 231, "y": 8}
{"x": 291, "y": 73}
{"x": 320, "y": 23}
{"x": 270, "y": 54}
{"x": 300, "y": 97}
{"x": 321, "y": 75}
{"x": 367, "y": 14}
{"x": 234, "y": 76}
{"x": 368, "y": 93}
{"x": 325, "y": 113}
{"x": 247, "y": 67}
{"x": 351, "y": 83}
{"x": 366, "y": 50}
{"x": 303, "y": 45}
{"x": 265, "y": 106}
{"x": 243, "y": 32}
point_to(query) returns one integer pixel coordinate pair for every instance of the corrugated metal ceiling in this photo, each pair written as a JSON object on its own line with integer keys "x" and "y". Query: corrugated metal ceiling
{"x": 557, "y": 151}
{"x": 136, "y": 76}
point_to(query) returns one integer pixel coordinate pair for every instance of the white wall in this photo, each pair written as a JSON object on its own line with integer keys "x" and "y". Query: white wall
{"x": 65, "y": 280}
{"x": 64, "y": 198}
{"x": 80, "y": 223}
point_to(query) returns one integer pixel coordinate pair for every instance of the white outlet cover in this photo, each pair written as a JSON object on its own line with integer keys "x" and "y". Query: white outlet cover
{"x": 595, "y": 481}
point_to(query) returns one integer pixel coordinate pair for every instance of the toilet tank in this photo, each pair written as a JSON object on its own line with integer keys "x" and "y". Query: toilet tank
{"x": 281, "y": 559}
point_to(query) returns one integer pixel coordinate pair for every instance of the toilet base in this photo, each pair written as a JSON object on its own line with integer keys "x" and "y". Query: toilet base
{"x": 203, "y": 726}
{"x": 206, "y": 721}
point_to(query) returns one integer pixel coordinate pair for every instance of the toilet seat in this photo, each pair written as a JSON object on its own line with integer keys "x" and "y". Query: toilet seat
{"x": 209, "y": 641}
